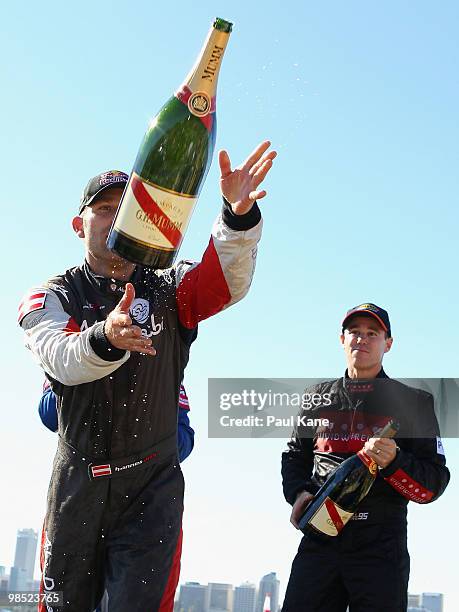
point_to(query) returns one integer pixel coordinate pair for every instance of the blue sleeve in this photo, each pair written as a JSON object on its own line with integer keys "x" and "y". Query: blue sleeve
{"x": 47, "y": 410}
{"x": 185, "y": 435}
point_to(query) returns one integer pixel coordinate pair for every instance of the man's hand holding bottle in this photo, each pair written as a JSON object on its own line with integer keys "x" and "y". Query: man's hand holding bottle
{"x": 382, "y": 450}
{"x": 302, "y": 500}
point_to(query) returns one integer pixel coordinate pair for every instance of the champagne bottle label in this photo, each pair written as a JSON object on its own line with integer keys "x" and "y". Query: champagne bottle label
{"x": 198, "y": 91}
{"x": 152, "y": 215}
{"x": 365, "y": 459}
{"x": 330, "y": 518}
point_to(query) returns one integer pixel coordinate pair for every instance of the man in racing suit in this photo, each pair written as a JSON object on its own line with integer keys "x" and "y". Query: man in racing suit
{"x": 366, "y": 564}
{"x": 113, "y": 339}
{"x": 47, "y": 409}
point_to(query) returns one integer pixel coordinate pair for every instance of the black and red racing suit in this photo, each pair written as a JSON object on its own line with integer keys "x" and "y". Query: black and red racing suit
{"x": 115, "y": 498}
{"x": 367, "y": 564}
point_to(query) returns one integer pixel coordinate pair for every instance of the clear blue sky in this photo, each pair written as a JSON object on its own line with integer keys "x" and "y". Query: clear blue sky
{"x": 361, "y": 100}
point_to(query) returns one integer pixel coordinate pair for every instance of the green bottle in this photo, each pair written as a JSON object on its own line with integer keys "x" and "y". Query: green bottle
{"x": 171, "y": 165}
{"x": 338, "y": 498}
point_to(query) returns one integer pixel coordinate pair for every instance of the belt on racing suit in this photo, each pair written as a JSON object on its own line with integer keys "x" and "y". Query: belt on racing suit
{"x": 110, "y": 468}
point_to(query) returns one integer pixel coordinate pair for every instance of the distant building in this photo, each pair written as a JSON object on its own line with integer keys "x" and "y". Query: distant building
{"x": 268, "y": 584}
{"x": 414, "y": 601}
{"x": 244, "y": 598}
{"x": 24, "y": 560}
{"x": 432, "y": 602}
{"x": 220, "y": 597}
{"x": 192, "y": 597}
{"x": 4, "y": 582}
{"x": 19, "y": 579}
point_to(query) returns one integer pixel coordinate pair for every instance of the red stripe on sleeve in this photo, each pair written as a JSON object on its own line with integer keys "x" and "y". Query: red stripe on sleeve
{"x": 32, "y": 302}
{"x": 203, "y": 290}
{"x": 28, "y": 307}
{"x": 30, "y": 298}
{"x": 409, "y": 488}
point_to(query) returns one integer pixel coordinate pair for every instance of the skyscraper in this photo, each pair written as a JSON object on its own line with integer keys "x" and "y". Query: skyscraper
{"x": 193, "y": 597}
{"x": 268, "y": 584}
{"x": 18, "y": 579}
{"x": 220, "y": 597}
{"x": 414, "y": 601}
{"x": 432, "y": 601}
{"x": 244, "y": 598}
{"x": 4, "y": 581}
{"x": 24, "y": 560}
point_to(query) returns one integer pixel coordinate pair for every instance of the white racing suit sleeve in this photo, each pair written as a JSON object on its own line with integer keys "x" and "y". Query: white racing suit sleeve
{"x": 66, "y": 353}
{"x": 224, "y": 275}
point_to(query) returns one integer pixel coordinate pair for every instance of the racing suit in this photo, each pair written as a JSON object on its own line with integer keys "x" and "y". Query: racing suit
{"x": 367, "y": 564}
{"x": 47, "y": 410}
{"x": 115, "y": 498}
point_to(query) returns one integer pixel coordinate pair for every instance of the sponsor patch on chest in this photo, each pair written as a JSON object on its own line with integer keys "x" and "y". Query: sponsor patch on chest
{"x": 140, "y": 313}
{"x": 140, "y": 309}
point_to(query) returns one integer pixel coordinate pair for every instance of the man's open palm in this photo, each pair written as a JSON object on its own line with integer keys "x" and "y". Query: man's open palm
{"x": 240, "y": 186}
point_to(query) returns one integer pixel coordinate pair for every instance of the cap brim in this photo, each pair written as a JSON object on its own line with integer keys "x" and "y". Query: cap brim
{"x": 103, "y": 188}
{"x": 368, "y": 313}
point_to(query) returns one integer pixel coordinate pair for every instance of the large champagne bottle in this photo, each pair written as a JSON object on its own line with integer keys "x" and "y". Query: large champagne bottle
{"x": 171, "y": 165}
{"x": 336, "y": 501}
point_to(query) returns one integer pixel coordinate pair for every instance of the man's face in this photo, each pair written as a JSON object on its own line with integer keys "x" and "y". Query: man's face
{"x": 364, "y": 342}
{"x": 94, "y": 225}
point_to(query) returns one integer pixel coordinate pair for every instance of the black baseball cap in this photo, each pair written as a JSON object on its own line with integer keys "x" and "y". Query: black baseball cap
{"x": 381, "y": 315}
{"x": 95, "y": 186}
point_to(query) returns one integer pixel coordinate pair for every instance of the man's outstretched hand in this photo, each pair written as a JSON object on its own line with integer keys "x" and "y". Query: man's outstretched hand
{"x": 240, "y": 186}
{"x": 120, "y": 331}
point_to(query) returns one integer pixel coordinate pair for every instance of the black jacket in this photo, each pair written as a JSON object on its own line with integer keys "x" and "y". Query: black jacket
{"x": 356, "y": 411}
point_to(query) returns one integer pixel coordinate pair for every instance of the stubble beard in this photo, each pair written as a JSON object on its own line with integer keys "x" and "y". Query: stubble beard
{"x": 108, "y": 263}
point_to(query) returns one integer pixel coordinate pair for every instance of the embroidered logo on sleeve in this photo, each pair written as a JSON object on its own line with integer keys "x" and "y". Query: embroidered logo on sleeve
{"x": 34, "y": 301}
{"x": 409, "y": 488}
{"x": 440, "y": 447}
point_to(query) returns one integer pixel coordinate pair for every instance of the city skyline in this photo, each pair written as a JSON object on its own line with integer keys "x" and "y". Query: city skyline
{"x": 27, "y": 547}
{"x": 196, "y": 597}
{"x": 224, "y": 597}
{"x": 191, "y": 596}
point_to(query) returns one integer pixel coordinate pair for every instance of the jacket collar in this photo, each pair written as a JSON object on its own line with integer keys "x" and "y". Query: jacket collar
{"x": 109, "y": 286}
{"x": 381, "y": 374}
{"x": 360, "y": 384}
